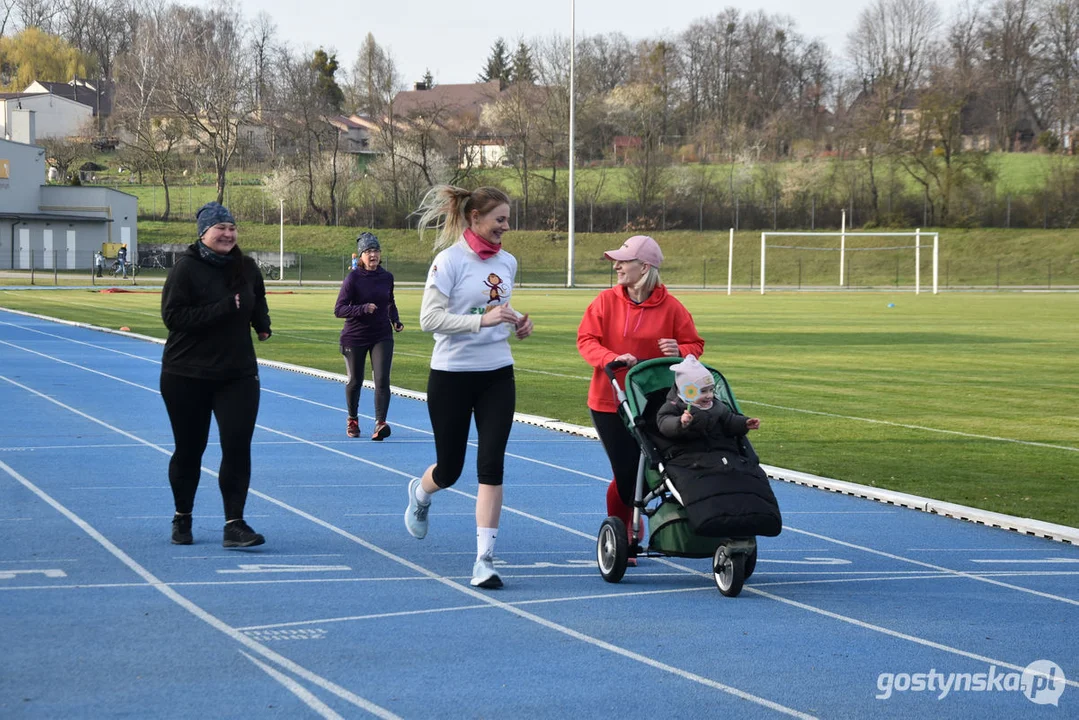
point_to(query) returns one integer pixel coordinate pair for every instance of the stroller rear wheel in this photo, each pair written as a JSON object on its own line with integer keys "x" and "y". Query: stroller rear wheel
{"x": 729, "y": 571}
{"x": 612, "y": 549}
{"x": 751, "y": 561}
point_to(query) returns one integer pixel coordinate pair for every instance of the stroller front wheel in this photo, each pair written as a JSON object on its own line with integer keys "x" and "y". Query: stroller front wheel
{"x": 612, "y": 549}
{"x": 729, "y": 571}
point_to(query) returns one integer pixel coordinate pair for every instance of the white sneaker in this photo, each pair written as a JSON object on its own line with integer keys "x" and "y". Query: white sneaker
{"x": 484, "y": 575}
{"x": 416, "y": 514}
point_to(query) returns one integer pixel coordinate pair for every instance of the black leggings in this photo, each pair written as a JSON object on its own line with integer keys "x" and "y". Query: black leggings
{"x": 452, "y": 398}
{"x": 622, "y": 450}
{"x": 190, "y": 402}
{"x": 381, "y": 359}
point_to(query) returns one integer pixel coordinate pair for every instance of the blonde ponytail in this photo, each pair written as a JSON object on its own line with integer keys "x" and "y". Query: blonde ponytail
{"x": 446, "y": 208}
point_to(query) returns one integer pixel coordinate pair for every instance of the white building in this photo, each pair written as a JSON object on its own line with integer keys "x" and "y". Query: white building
{"x": 55, "y": 116}
{"x": 46, "y": 226}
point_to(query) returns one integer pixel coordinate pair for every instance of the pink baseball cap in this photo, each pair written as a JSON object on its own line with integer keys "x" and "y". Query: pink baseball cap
{"x": 638, "y": 247}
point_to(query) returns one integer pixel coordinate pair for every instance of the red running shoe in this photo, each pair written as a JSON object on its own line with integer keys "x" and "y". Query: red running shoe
{"x": 353, "y": 429}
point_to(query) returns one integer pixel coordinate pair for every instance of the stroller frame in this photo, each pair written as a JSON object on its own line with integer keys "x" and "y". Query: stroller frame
{"x": 733, "y": 559}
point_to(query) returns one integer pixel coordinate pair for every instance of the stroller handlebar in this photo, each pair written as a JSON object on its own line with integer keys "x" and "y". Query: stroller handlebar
{"x": 612, "y": 366}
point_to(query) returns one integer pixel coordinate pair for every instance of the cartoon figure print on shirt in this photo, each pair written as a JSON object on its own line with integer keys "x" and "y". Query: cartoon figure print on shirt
{"x": 494, "y": 283}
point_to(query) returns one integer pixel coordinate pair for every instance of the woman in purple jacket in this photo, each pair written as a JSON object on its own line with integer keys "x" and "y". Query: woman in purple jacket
{"x": 366, "y": 302}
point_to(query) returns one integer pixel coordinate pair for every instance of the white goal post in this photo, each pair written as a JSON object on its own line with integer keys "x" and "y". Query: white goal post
{"x": 917, "y": 246}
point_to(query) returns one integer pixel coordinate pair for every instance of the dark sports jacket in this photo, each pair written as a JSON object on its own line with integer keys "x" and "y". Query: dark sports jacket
{"x": 209, "y": 337}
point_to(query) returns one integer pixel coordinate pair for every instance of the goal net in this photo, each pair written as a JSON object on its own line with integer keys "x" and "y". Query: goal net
{"x": 825, "y": 260}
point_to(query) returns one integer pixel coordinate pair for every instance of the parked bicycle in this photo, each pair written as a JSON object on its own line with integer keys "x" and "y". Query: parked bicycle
{"x": 150, "y": 261}
{"x": 270, "y": 272}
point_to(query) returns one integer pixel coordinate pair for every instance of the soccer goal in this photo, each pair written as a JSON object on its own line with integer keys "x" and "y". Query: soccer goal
{"x": 897, "y": 245}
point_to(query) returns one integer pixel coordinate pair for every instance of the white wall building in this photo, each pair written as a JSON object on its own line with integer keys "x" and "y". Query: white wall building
{"x": 55, "y": 116}
{"x": 57, "y": 226}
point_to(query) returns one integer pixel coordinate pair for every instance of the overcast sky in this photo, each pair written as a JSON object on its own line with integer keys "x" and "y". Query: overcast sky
{"x": 454, "y": 38}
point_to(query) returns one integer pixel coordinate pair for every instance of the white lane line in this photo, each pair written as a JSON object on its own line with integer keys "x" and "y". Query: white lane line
{"x": 959, "y": 573}
{"x": 893, "y": 633}
{"x": 882, "y": 576}
{"x": 543, "y": 622}
{"x": 296, "y": 689}
{"x": 423, "y": 431}
{"x": 959, "y": 550}
{"x": 924, "y": 428}
{"x": 176, "y": 597}
{"x": 401, "y": 473}
{"x": 1029, "y": 561}
{"x": 544, "y": 601}
{"x": 839, "y": 512}
{"x": 296, "y": 669}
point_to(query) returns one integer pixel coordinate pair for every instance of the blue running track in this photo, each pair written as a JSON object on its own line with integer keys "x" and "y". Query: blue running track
{"x": 858, "y": 609}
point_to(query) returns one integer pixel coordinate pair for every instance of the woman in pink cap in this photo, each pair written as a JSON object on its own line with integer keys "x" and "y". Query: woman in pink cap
{"x": 635, "y": 320}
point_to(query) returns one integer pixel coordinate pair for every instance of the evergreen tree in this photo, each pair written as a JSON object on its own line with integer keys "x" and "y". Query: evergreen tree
{"x": 328, "y": 89}
{"x": 498, "y": 64}
{"x": 522, "y": 70}
{"x": 428, "y": 79}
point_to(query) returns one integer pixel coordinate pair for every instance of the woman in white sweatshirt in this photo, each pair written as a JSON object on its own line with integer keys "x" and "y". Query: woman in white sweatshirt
{"x": 466, "y": 304}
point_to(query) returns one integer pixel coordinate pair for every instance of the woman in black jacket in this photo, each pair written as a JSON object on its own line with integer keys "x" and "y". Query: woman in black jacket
{"x": 212, "y": 298}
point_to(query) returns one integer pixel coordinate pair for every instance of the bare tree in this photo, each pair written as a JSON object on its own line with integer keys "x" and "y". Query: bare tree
{"x": 263, "y": 47}
{"x": 141, "y": 109}
{"x": 639, "y": 108}
{"x": 42, "y": 14}
{"x": 1009, "y": 35}
{"x": 7, "y": 8}
{"x": 1059, "y": 20}
{"x": 312, "y": 122}
{"x": 932, "y": 152}
{"x": 209, "y": 86}
{"x": 889, "y": 49}
{"x": 375, "y": 84}
{"x": 63, "y": 153}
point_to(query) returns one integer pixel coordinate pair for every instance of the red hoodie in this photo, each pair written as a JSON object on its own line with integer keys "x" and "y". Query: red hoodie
{"x": 614, "y": 325}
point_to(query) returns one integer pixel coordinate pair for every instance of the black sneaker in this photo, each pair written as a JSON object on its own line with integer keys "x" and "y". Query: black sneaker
{"x": 181, "y": 530}
{"x": 240, "y": 534}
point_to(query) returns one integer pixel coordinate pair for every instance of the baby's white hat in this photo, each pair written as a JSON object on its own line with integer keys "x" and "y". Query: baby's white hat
{"x": 690, "y": 376}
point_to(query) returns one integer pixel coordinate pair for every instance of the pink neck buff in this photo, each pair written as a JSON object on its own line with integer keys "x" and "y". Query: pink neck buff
{"x": 480, "y": 246}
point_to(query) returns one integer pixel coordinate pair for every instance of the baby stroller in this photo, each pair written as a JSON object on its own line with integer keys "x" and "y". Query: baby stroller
{"x": 743, "y": 509}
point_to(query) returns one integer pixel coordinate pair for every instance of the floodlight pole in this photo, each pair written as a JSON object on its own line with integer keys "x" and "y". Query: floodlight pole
{"x": 281, "y": 257}
{"x": 572, "y": 187}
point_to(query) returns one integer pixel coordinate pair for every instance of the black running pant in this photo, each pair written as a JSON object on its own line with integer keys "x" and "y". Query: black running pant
{"x": 452, "y": 399}
{"x": 381, "y": 359}
{"x": 622, "y": 450}
{"x": 190, "y": 403}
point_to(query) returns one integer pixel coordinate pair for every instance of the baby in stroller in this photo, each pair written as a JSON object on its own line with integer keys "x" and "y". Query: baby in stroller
{"x": 714, "y": 469}
{"x": 691, "y": 410}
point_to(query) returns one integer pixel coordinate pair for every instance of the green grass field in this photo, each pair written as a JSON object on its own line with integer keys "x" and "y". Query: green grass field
{"x": 968, "y": 398}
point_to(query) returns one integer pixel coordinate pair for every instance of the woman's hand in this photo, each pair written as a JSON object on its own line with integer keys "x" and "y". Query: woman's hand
{"x": 263, "y": 335}
{"x": 497, "y": 315}
{"x": 669, "y": 347}
{"x": 629, "y": 359}
{"x": 753, "y": 424}
{"x": 398, "y": 326}
{"x": 524, "y": 327}
{"x": 237, "y": 299}
{"x": 369, "y": 308}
